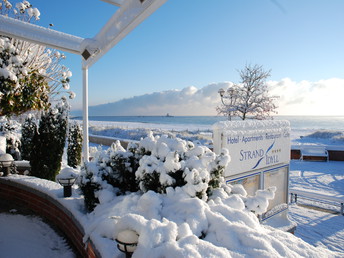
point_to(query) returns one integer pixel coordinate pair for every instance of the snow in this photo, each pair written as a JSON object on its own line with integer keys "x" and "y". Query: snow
{"x": 2, "y": 145}
{"x": 29, "y": 236}
{"x": 171, "y": 224}
{"x": 174, "y": 224}
{"x": 319, "y": 228}
{"x": 67, "y": 172}
{"x": 32, "y": 32}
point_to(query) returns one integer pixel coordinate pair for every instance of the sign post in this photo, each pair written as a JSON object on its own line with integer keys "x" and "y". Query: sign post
{"x": 253, "y": 145}
{"x": 260, "y": 157}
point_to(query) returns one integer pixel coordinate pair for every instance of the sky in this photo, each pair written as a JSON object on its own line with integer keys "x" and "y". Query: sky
{"x": 195, "y": 44}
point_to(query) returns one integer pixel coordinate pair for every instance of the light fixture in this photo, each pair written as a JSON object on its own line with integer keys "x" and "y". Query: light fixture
{"x": 127, "y": 242}
{"x": 66, "y": 178}
{"x": 6, "y": 163}
{"x": 221, "y": 92}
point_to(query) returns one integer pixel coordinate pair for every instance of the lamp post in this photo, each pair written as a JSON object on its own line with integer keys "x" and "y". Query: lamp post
{"x": 232, "y": 95}
{"x": 66, "y": 178}
{"x": 127, "y": 242}
{"x": 6, "y": 163}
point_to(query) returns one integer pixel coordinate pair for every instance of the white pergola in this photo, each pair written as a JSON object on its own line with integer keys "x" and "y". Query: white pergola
{"x": 129, "y": 15}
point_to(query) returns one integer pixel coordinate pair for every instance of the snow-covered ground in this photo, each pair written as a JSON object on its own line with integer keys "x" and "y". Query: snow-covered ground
{"x": 316, "y": 227}
{"x": 30, "y": 237}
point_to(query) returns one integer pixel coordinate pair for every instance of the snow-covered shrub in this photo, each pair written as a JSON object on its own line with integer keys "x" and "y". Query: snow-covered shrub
{"x": 29, "y": 129}
{"x": 11, "y": 130}
{"x": 35, "y": 70}
{"x": 177, "y": 163}
{"x": 49, "y": 142}
{"x": 179, "y": 225}
{"x": 21, "y": 89}
{"x": 74, "y": 148}
{"x": 113, "y": 168}
{"x": 121, "y": 165}
{"x": 154, "y": 164}
{"x": 89, "y": 183}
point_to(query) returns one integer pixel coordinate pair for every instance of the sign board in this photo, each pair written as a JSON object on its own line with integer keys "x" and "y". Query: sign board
{"x": 253, "y": 145}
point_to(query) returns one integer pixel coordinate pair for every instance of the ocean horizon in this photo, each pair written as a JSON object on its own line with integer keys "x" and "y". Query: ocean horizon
{"x": 297, "y": 122}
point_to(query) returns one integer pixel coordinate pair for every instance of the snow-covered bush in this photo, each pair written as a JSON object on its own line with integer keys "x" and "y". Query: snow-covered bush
{"x": 29, "y": 129}
{"x": 21, "y": 89}
{"x": 121, "y": 165}
{"x": 90, "y": 183}
{"x": 175, "y": 224}
{"x": 155, "y": 164}
{"x": 11, "y": 130}
{"x": 31, "y": 75}
{"x": 114, "y": 168}
{"x": 74, "y": 148}
{"x": 49, "y": 142}
{"x": 177, "y": 163}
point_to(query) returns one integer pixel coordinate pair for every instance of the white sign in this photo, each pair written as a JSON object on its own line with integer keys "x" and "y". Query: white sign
{"x": 253, "y": 144}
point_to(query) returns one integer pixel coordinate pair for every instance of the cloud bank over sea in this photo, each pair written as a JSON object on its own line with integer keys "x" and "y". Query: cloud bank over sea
{"x": 324, "y": 97}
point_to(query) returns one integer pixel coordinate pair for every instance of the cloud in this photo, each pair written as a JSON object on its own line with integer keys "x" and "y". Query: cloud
{"x": 188, "y": 101}
{"x": 324, "y": 97}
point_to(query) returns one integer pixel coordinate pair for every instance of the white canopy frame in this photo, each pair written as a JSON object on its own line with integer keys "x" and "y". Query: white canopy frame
{"x": 129, "y": 15}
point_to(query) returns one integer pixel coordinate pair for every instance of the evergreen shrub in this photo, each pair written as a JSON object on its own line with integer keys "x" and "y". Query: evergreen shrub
{"x": 29, "y": 129}
{"x": 154, "y": 164}
{"x": 115, "y": 167}
{"x": 49, "y": 142}
{"x": 74, "y": 148}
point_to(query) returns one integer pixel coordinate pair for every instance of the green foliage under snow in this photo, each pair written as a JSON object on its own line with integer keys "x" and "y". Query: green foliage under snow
{"x": 48, "y": 143}
{"x": 155, "y": 164}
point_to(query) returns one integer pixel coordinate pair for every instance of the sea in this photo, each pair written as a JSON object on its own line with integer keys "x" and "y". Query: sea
{"x": 296, "y": 122}
{"x": 300, "y": 125}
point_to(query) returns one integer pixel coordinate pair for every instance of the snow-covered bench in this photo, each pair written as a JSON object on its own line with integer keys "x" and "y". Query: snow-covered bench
{"x": 334, "y": 200}
{"x": 313, "y": 151}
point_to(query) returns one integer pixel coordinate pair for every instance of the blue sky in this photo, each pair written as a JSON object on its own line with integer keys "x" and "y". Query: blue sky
{"x": 197, "y": 42}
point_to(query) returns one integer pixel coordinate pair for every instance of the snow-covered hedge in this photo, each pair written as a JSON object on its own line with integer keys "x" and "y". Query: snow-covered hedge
{"x": 160, "y": 164}
{"x": 156, "y": 164}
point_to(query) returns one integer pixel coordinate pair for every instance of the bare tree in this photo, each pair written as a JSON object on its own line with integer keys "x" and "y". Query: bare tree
{"x": 250, "y": 98}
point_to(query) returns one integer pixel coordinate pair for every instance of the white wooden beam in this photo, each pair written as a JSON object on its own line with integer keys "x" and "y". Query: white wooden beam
{"x": 85, "y": 140}
{"x": 37, "y": 34}
{"x": 114, "y": 2}
{"x": 128, "y": 16}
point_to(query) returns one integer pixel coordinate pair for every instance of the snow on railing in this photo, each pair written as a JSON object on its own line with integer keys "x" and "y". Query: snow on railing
{"x": 334, "y": 200}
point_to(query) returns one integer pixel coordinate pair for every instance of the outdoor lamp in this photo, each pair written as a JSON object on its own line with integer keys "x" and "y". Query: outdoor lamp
{"x": 221, "y": 92}
{"x": 67, "y": 185}
{"x": 127, "y": 242}
{"x": 67, "y": 178}
{"x": 6, "y": 163}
